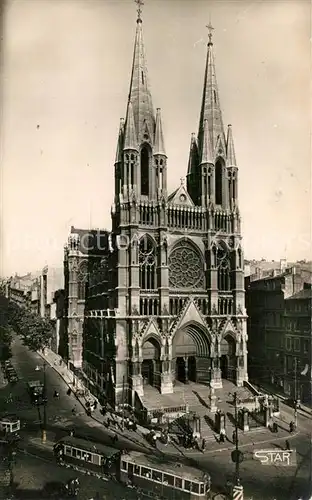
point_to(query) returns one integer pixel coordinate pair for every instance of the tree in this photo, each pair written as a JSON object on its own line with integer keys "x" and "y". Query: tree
{"x": 36, "y": 332}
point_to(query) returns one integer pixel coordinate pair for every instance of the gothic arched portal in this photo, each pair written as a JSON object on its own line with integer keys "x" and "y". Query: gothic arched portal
{"x": 191, "y": 354}
{"x": 228, "y": 357}
{"x": 151, "y": 362}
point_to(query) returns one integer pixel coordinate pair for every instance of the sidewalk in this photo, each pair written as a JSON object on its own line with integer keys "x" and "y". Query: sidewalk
{"x": 283, "y": 397}
{"x": 56, "y": 362}
{"x": 253, "y": 437}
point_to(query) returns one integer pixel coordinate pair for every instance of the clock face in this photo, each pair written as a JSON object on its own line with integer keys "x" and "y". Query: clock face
{"x": 182, "y": 197}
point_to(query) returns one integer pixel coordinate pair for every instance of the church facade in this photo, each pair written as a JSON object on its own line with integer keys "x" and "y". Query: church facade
{"x": 164, "y": 299}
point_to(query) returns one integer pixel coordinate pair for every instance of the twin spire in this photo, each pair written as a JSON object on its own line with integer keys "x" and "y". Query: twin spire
{"x": 141, "y": 124}
{"x": 211, "y": 140}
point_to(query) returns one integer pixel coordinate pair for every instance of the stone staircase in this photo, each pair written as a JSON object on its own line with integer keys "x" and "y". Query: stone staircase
{"x": 196, "y": 398}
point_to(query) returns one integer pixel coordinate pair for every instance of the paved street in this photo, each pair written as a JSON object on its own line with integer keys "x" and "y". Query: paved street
{"x": 260, "y": 482}
{"x": 35, "y": 478}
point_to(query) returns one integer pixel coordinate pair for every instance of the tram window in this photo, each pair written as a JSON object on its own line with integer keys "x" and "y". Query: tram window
{"x": 137, "y": 471}
{"x": 74, "y": 452}
{"x": 157, "y": 476}
{"x": 195, "y": 487}
{"x": 187, "y": 485}
{"x": 68, "y": 451}
{"x": 169, "y": 479}
{"x": 146, "y": 472}
{"x": 124, "y": 466}
{"x": 88, "y": 457}
{"x": 78, "y": 453}
{"x": 178, "y": 482}
{"x": 202, "y": 488}
{"x": 14, "y": 427}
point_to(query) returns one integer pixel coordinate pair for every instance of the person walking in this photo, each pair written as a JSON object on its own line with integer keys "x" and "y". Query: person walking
{"x": 287, "y": 445}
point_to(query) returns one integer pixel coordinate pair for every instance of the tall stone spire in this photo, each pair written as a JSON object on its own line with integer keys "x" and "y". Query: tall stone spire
{"x": 159, "y": 144}
{"x": 131, "y": 140}
{"x": 210, "y": 108}
{"x": 140, "y": 94}
{"x": 230, "y": 151}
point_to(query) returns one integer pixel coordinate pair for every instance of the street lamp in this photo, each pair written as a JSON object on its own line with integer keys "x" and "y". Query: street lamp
{"x": 237, "y": 456}
{"x": 44, "y": 426}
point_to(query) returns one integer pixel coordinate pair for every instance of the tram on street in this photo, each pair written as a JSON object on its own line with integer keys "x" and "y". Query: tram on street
{"x": 9, "y": 424}
{"x": 85, "y": 455}
{"x": 150, "y": 475}
{"x": 163, "y": 479}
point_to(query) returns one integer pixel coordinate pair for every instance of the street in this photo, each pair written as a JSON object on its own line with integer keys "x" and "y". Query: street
{"x": 260, "y": 482}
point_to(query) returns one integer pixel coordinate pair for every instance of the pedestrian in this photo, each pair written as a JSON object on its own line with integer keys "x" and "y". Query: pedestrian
{"x": 203, "y": 445}
{"x": 222, "y": 436}
{"x": 287, "y": 445}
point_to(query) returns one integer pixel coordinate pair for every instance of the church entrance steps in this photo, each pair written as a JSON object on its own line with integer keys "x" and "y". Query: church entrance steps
{"x": 194, "y": 398}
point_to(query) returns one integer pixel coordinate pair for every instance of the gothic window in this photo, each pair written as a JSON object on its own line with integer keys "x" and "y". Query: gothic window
{"x": 144, "y": 171}
{"x": 215, "y": 96}
{"x": 185, "y": 267}
{"x": 218, "y": 189}
{"x": 224, "y": 267}
{"x": 147, "y": 261}
{"x": 82, "y": 279}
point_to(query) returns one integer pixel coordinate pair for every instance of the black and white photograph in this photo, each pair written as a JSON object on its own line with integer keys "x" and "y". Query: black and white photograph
{"x": 156, "y": 254}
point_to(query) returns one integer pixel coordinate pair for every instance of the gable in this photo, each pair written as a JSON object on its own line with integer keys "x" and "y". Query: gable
{"x": 180, "y": 197}
{"x": 191, "y": 314}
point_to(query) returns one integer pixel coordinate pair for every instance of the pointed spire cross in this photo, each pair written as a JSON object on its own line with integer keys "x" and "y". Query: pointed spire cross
{"x": 139, "y": 10}
{"x": 210, "y": 30}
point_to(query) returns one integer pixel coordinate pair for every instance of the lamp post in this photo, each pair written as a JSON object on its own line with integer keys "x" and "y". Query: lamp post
{"x": 296, "y": 403}
{"x": 237, "y": 479}
{"x": 44, "y": 427}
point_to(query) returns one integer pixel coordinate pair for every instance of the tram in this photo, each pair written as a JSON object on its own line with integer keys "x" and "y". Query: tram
{"x": 82, "y": 454}
{"x": 149, "y": 474}
{"x": 164, "y": 479}
{"x": 9, "y": 424}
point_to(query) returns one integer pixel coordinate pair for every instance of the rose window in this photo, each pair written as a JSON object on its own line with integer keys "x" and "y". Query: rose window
{"x": 185, "y": 267}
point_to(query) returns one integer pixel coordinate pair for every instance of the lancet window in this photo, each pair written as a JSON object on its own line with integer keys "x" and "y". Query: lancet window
{"x": 147, "y": 261}
{"x": 144, "y": 171}
{"x": 218, "y": 187}
{"x": 224, "y": 268}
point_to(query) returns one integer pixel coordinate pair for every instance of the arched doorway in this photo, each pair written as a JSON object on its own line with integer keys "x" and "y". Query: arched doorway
{"x": 228, "y": 358}
{"x": 151, "y": 362}
{"x": 180, "y": 369}
{"x": 192, "y": 368}
{"x": 191, "y": 354}
{"x": 224, "y": 366}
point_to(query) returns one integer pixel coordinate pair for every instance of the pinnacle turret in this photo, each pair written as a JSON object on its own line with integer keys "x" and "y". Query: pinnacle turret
{"x": 120, "y": 141}
{"x": 159, "y": 144}
{"x": 131, "y": 141}
{"x": 206, "y": 152}
{"x": 230, "y": 151}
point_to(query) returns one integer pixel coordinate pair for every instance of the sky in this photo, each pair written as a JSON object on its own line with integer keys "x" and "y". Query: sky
{"x": 64, "y": 84}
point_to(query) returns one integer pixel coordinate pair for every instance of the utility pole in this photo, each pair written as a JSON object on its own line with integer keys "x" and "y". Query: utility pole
{"x": 44, "y": 427}
{"x": 123, "y": 402}
{"x": 237, "y": 479}
{"x": 296, "y": 410}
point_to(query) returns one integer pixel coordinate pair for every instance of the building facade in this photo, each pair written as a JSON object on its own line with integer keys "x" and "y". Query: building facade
{"x": 164, "y": 296}
{"x": 266, "y": 302}
{"x": 297, "y": 346}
